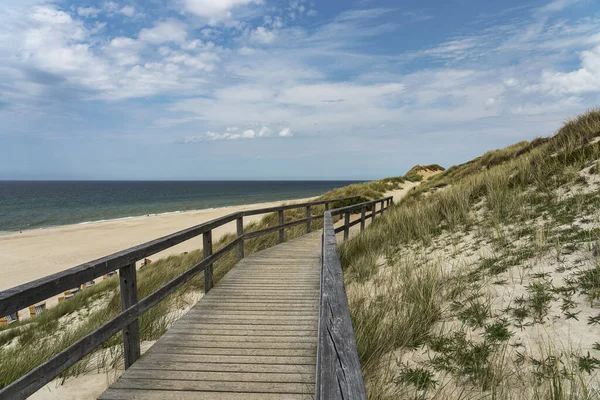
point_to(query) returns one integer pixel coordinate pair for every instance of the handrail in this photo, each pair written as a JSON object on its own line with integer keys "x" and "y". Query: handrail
{"x": 21, "y": 296}
{"x": 339, "y": 376}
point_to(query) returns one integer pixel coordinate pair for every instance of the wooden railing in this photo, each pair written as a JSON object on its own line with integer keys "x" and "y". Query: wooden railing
{"x": 19, "y": 297}
{"x": 339, "y": 376}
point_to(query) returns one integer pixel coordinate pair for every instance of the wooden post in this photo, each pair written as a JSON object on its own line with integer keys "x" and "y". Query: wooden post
{"x": 281, "y": 231}
{"x": 326, "y": 206}
{"x": 308, "y": 222}
{"x": 374, "y": 206}
{"x": 363, "y": 209}
{"x": 131, "y": 332}
{"x": 208, "y": 271}
{"x": 240, "y": 233}
{"x": 346, "y": 225}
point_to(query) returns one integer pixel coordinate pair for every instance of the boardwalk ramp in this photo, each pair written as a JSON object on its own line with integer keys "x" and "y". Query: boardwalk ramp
{"x": 253, "y": 336}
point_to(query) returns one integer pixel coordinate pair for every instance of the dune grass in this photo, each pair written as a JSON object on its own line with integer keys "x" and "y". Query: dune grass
{"x": 428, "y": 327}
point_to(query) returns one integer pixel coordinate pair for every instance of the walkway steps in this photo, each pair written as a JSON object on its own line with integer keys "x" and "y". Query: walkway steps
{"x": 253, "y": 336}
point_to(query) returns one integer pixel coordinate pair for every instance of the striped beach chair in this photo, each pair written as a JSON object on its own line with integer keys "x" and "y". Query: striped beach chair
{"x": 37, "y": 309}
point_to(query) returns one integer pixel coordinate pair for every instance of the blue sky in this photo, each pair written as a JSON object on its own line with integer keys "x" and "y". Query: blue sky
{"x": 284, "y": 89}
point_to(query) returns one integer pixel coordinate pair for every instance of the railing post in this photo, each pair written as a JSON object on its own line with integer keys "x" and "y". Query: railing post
{"x": 326, "y": 206}
{"x": 362, "y": 218}
{"x": 309, "y": 221}
{"x": 240, "y": 234}
{"x": 374, "y": 210}
{"x": 131, "y": 332}
{"x": 281, "y": 231}
{"x": 207, "y": 250}
{"x": 346, "y": 225}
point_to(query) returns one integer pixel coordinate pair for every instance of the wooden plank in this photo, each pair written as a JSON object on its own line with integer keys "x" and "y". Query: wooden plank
{"x": 225, "y": 367}
{"x": 228, "y": 359}
{"x": 209, "y": 386}
{"x": 240, "y": 234}
{"x": 144, "y": 394}
{"x": 207, "y": 250}
{"x": 131, "y": 331}
{"x": 278, "y": 377}
{"x": 252, "y": 333}
{"x": 339, "y": 374}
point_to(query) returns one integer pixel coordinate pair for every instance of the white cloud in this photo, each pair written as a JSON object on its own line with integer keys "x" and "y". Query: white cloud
{"x": 585, "y": 79}
{"x": 264, "y": 131}
{"x": 87, "y": 12}
{"x": 558, "y": 5}
{"x": 233, "y": 133}
{"x": 262, "y": 35}
{"x": 165, "y": 31}
{"x": 215, "y": 10}
{"x": 128, "y": 11}
{"x": 286, "y": 132}
{"x": 124, "y": 50}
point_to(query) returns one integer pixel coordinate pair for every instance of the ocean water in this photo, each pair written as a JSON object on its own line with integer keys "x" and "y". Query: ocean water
{"x": 29, "y": 205}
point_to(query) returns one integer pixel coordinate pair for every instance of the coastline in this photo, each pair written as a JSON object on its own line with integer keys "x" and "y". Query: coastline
{"x": 39, "y": 252}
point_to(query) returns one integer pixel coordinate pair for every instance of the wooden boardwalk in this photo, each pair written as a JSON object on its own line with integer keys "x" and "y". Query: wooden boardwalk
{"x": 253, "y": 336}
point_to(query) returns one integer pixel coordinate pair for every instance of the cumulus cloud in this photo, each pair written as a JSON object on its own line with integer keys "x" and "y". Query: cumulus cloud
{"x": 215, "y": 10}
{"x": 234, "y": 133}
{"x": 128, "y": 11}
{"x": 286, "y": 132}
{"x": 88, "y": 12}
{"x": 165, "y": 31}
{"x": 585, "y": 79}
{"x": 262, "y": 35}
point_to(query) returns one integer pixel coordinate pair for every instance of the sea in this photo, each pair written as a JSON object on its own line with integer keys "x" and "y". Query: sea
{"x": 39, "y": 204}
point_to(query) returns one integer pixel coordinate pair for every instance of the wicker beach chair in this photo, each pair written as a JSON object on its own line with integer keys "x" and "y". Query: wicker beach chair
{"x": 36, "y": 309}
{"x": 9, "y": 319}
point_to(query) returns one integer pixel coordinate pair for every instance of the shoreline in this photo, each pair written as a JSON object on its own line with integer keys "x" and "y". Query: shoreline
{"x": 4, "y": 233}
{"x": 36, "y": 253}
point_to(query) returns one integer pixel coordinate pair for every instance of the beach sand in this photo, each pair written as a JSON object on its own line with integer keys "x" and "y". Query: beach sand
{"x": 37, "y": 253}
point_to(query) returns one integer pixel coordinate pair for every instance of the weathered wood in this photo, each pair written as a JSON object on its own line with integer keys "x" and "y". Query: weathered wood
{"x": 240, "y": 235}
{"x": 281, "y": 229}
{"x": 346, "y": 225}
{"x": 131, "y": 331}
{"x": 362, "y": 218}
{"x": 208, "y": 250}
{"x": 339, "y": 374}
{"x": 308, "y": 217}
{"x": 298, "y": 205}
{"x": 242, "y": 337}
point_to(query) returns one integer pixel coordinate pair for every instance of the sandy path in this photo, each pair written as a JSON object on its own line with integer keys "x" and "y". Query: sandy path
{"x": 37, "y": 253}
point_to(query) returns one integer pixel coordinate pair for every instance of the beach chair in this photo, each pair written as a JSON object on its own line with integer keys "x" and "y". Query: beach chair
{"x": 9, "y": 319}
{"x": 70, "y": 293}
{"x": 14, "y": 317}
{"x": 87, "y": 284}
{"x": 37, "y": 309}
{"x": 110, "y": 274}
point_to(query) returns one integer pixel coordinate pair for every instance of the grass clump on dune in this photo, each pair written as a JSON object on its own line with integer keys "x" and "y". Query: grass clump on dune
{"x": 508, "y": 243}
